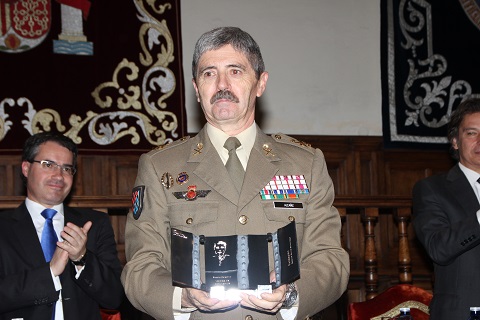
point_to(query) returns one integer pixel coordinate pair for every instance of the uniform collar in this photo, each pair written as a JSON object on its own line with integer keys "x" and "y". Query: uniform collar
{"x": 246, "y": 138}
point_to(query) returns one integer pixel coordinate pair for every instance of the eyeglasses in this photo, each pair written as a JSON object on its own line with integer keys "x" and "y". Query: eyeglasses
{"x": 52, "y": 165}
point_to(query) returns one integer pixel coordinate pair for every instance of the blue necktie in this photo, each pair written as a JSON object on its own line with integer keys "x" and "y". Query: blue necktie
{"x": 49, "y": 237}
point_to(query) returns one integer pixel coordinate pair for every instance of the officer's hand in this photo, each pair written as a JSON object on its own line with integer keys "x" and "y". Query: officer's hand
{"x": 270, "y": 302}
{"x": 194, "y": 298}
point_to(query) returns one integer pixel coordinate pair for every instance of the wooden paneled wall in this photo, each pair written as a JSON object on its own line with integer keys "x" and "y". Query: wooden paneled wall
{"x": 358, "y": 165}
{"x": 378, "y": 180}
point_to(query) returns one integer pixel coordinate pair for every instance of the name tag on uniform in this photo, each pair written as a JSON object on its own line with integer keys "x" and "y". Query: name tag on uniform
{"x": 288, "y": 205}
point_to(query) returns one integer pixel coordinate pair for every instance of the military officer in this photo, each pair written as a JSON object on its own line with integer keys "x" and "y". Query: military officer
{"x": 189, "y": 185}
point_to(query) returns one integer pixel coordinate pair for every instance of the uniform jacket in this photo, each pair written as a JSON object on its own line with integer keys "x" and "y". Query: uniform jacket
{"x": 446, "y": 224}
{"x": 26, "y": 287}
{"x": 324, "y": 264}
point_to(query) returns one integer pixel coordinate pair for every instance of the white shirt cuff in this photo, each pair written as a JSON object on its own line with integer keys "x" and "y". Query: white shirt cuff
{"x": 56, "y": 281}
{"x": 290, "y": 313}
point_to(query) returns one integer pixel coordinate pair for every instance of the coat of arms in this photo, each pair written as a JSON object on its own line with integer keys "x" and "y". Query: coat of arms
{"x": 24, "y": 24}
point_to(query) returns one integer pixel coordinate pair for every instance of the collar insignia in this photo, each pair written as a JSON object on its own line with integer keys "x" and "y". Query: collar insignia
{"x": 198, "y": 149}
{"x": 268, "y": 150}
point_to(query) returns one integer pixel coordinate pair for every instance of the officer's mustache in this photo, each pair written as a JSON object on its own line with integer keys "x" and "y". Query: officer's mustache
{"x": 224, "y": 94}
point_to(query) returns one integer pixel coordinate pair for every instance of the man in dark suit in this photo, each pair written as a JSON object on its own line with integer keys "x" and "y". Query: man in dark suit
{"x": 188, "y": 185}
{"x": 447, "y": 219}
{"x": 80, "y": 272}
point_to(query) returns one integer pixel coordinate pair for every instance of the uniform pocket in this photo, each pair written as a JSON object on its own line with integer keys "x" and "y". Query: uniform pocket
{"x": 193, "y": 215}
{"x": 281, "y": 213}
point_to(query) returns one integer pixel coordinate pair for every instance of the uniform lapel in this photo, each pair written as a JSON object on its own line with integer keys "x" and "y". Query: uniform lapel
{"x": 210, "y": 167}
{"x": 261, "y": 167}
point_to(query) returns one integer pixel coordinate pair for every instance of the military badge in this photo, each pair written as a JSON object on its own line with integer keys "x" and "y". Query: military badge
{"x": 182, "y": 178}
{"x": 191, "y": 194}
{"x": 167, "y": 180}
{"x": 137, "y": 201}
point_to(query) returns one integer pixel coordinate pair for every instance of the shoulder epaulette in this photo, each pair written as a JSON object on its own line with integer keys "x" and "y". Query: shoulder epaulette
{"x": 283, "y": 138}
{"x": 172, "y": 144}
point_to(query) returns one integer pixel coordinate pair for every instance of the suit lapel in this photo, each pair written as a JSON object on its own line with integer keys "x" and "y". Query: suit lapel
{"x": 72, "y": 216}
{"x": 26, "y": 234}
{"x": 461, "y": 189}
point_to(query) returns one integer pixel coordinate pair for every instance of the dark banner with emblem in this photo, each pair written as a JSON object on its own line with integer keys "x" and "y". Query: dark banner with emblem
{"x": 430, "y": 63}
{"x": 107, "y": 73}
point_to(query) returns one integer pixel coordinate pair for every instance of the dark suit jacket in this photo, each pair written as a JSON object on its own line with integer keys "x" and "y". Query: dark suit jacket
{"x": 26, "y": 287}
{"x": 445, "y": 222}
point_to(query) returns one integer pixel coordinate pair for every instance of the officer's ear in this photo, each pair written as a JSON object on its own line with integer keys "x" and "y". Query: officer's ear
{"x": 262, "y": 83}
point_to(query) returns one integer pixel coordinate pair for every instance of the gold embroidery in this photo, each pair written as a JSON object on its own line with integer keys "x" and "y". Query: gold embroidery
{"x": 44, "y": 118}
{"x": 396, "y": 310}
{"x": 137, "y": 91}
{"x": 303, "y": 144}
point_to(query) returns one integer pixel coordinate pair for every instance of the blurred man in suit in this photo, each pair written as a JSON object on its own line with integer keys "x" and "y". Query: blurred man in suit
{"x": 60, "y": 267}
{"x": 193, "y": 184}
{"x": 447, "y": 219}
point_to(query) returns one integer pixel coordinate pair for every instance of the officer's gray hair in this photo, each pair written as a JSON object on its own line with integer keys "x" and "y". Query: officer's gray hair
{"x": 240, "y": 40}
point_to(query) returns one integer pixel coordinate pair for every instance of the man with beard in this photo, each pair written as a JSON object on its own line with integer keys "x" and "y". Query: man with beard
{"x": 194, "y": 185}
{"x": 56, "y": 262}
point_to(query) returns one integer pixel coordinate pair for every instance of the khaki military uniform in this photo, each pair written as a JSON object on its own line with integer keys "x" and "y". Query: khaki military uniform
{"x": 324, "y": 265}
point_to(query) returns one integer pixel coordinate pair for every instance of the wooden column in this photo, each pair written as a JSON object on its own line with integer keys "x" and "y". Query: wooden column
{"x": 369, "y": 219}
{"x": 402, "y": 216}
